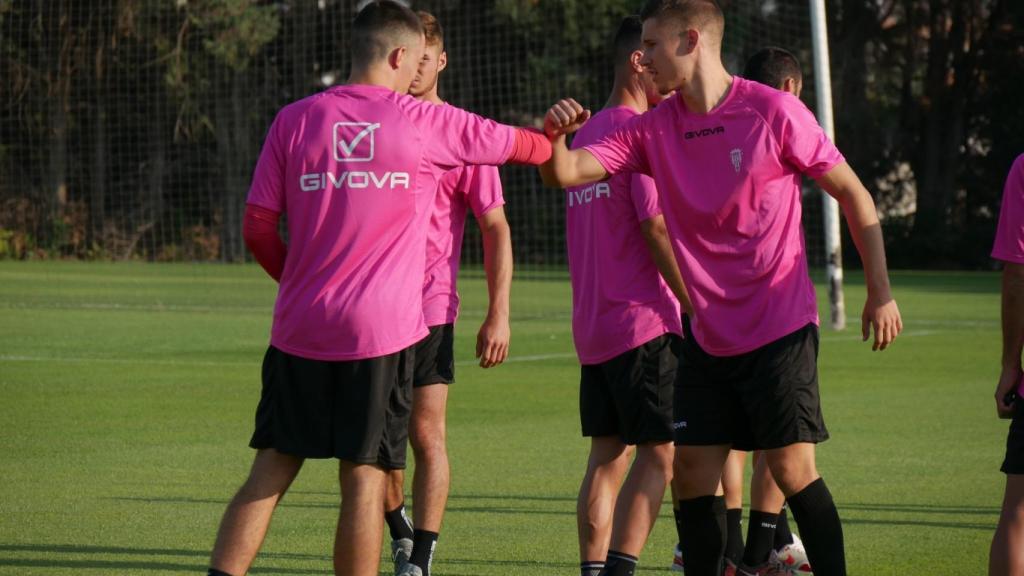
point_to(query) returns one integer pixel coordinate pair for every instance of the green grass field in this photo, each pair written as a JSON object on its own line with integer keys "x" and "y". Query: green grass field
{"x": 128, "y": 392}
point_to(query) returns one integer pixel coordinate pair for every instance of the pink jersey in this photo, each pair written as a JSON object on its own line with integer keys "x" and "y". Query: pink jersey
{"x": 619, "y": 299}
{"x": 730, "y": 188}
{"x": 476, "y": 188}
{"x": 356, "y": 168}
{"x": 1009, "y": 244}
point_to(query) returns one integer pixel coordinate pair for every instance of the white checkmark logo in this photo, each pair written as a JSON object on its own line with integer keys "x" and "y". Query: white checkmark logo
{"x": 344, "y": 150}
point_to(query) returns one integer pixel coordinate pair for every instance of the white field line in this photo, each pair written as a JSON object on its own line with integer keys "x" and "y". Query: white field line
{"x": 255, "y": 363}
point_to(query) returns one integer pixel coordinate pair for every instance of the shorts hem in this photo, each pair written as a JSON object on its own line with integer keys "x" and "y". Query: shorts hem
{"x": 434, "y": 382}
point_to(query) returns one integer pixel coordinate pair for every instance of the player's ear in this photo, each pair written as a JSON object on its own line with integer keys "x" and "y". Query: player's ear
{"x": 397, "y": 57}
{"x": 635, "y": 60}
{"x": 442, "y": 61}
{"x": 691, "y": 38}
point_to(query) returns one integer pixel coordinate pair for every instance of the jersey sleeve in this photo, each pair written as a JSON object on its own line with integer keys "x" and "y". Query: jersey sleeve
{"x": 802, "y": 140}
{"x": 1009, "y": 243}
{"x": 482, "y": 186}
{"x": 267, "y": 189}
{"x": 645, "y": 197}
{"x": 622, "y": 150}
{"x": 456, "y": 137}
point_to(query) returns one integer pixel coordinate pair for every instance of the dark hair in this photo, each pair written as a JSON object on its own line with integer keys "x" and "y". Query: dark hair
{"x": 771, "y": 66}
{"x": 379, "y": 28}
{"x": 431, "y": 28}
{"x": 704, "y": 15}
{"x": 627, "y": 38}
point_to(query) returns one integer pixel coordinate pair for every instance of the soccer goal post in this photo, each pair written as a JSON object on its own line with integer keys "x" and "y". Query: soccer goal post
{"x": 830, "y": 208}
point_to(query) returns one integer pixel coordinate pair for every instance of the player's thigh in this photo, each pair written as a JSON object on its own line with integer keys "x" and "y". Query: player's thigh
{"x": 641, "y": 383}
{"x": 780, "y": 392}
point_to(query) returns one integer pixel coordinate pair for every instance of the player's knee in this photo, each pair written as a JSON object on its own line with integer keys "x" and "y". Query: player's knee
{"x": 428, "y": 441}
{"x": 792, "y": 474}
{"x": 657, "y": 457}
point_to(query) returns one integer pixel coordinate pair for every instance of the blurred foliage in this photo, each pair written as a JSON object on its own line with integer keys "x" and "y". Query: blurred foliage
{"x": 129, "y": 128}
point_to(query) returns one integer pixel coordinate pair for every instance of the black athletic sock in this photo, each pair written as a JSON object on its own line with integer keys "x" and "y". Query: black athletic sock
{"x": 215, "y": 572}
{"x": 702, "y": 535}
{"x": 591, "y": 568}
{"x": 423, "y": 543}
{"x": 783, "y": 535}
{"x": 398, "y": 523}
{"x": 619, "y": 564}
{"x": 822, "y": 532}
{"x": 760, "y": 535}
{"x": 734, "y": 531}
{"x": 679, "y": 523}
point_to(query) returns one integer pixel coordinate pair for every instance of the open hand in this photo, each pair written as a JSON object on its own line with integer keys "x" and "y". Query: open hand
{"x": 492, "y": 342}
{"x": 884, "y": 318}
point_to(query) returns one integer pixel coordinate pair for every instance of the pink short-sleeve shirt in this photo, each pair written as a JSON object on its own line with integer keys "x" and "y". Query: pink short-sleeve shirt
{"x": 729, "y": 183}
{"x": 620, "y": 300}
{"x": 356, "y": 169}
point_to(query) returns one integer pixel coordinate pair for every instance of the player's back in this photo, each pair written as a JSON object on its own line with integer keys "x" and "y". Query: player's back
{"x": 620, "y": 300}
{"x": 358, "y": 176}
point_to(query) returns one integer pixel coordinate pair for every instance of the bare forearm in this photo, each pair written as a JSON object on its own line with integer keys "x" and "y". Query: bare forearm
{"x": 498, "y": 267}
{"x": 861, "y": 217}
{"x": 555, "y": 171}
{"x": 1013, "y": 315}
{"x": 661, "y": 252}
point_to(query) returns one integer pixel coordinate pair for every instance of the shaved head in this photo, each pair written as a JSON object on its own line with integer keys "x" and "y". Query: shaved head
{"x": 381, "y": 27}
{"x": 703, "y": 15}
{"x": 627, "y": 39}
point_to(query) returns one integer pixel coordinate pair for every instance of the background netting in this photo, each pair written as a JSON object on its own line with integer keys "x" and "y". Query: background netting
{"x": 129, "y": 129}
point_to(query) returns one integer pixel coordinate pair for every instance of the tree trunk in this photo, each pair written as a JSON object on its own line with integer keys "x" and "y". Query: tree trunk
{"x": 943, "y": 121}
{"x": 234, "y": 143}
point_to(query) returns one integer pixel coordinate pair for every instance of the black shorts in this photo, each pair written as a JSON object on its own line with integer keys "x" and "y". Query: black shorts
{"x": 435, "y": 357}
{"x": 1014, "y": 461}
{"x": 357, "y": 411}
{"x": 763, "y": 399}
{"x": 630, "y": 396}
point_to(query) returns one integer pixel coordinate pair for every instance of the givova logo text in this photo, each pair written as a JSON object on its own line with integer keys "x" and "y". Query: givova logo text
{"x": 587, "y": 194}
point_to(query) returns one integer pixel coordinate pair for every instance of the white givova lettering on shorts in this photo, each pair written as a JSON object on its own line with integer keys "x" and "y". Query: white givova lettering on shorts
{"x": 587, "y": 194}
{"x": 679, "y": 425}
{"x": 354, "y": 142}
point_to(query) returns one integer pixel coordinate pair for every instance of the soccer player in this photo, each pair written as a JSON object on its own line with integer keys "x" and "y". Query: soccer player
{"x": 769, "y": 525}
{"x": 355, "y": 167}
{"x": 727, "y": 155}
{"x": 625, "y": 327}
{"x": 470, "y": 187}
{"x": 1006, "y": 557}
{"x": 777, "y": 68}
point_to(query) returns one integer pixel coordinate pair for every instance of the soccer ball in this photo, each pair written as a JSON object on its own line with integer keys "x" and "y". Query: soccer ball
{"x": 793, "y": 558}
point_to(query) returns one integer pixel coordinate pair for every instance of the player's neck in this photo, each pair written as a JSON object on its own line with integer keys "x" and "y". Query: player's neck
{"x": 629, "y": 94}
{"x": 707, "y": 89}
{"x": 372, "y": 77}
{"x": 432, "y": 97}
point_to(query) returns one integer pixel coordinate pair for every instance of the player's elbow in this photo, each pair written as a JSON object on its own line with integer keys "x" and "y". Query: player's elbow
{"x": 552, "y": 176}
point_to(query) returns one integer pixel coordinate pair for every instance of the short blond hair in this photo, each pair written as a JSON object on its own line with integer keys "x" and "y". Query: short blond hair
{"x": 431, "y": 28}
